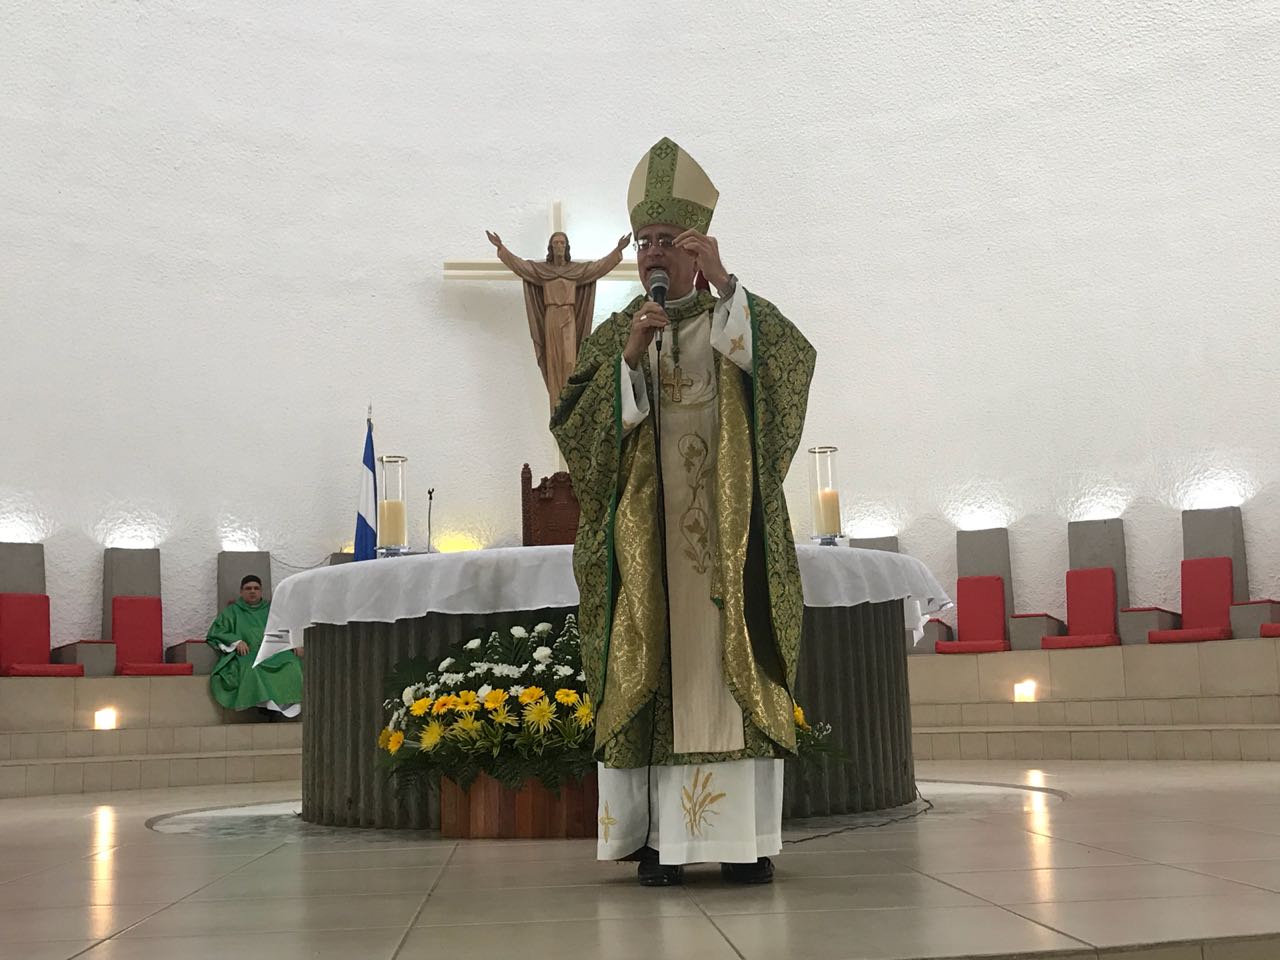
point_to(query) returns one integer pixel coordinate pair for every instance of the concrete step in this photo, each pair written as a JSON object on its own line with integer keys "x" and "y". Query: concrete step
{"x": 150, "y": 741}
{"x": 144, "y": 771}
{"x": 1110, "y": 711}
{"x": 1222, "y": 741}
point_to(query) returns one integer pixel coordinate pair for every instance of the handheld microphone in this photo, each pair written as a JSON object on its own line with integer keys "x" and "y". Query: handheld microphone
{"x": 659, "y": 282}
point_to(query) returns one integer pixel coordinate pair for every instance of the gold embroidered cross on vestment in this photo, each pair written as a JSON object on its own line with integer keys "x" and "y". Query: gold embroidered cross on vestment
{"x": 674, "y": 383}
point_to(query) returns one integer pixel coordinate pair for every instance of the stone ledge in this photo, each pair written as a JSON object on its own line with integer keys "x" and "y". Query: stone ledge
{"x": 153, "y": 741}
{"x": 1178, "y": 711}
{"x": 139, "y": 757}
{"x": 1201, "y": 742}
{"x": 34, "y": 778}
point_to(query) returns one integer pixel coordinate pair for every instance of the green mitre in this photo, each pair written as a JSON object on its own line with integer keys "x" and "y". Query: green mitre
{"x": 669, "y": 187}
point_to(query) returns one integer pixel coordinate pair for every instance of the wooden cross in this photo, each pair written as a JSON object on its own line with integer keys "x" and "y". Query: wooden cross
{"x": 675, "y": 384}
{"x": 495, "y": 269}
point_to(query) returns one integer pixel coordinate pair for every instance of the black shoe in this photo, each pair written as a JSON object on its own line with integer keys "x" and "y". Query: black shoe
{"x": 652, "y": 873}
{"x": 759, "y": 872}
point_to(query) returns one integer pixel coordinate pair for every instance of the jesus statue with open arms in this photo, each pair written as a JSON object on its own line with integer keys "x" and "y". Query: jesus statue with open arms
{"x": 691, "y": 600}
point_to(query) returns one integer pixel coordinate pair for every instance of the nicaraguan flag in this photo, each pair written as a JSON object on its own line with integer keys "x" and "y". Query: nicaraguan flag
{"x": 367, "y": 513}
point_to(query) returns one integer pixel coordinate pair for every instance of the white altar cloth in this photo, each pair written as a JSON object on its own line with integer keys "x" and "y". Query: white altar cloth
{"x": 530, "y": 578}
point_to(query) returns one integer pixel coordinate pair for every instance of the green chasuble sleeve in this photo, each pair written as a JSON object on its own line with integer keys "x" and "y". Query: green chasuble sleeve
{"x": 235, "y": 683}
{"x": 617, "y": 556}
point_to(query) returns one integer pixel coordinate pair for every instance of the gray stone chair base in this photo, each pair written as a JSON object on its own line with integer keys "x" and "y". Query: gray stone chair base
{"x": 98, "y": 659}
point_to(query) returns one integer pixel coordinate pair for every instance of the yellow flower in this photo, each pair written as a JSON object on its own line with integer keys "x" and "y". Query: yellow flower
{"x": 420, "y": 706}
{"x": 566, "y": 696}
{"x": 531, "y": 694}
{"x": 431, "y": 736}
{"x": 799, "y": 715}
{"x": 396, "y": 741}
{"x": 495, "y": 698}
{"x": 384, "y": 738}
{"x": 584, "y": 715}
{"x": 502, "y": 717}
{"x": 467, "y": 702}
{"x": 539, "y": 715}
{"x": 444, "y": 704}
{"x": 468, "y": 726}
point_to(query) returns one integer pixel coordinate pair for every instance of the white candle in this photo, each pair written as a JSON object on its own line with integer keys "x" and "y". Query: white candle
{"x": 393, "y": 530}
{"x": 826, "y": 513}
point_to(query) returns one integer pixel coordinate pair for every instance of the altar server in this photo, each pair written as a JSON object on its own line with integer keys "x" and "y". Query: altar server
{"x": 690, "y": 591}
{"x": 273, "y": 686}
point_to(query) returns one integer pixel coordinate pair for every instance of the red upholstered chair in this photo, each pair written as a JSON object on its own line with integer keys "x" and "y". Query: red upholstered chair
{"x": 981, "y": 626}
{"x": 1091, "y": 611}
{"x": 1270, "y": 630}
{"x": 24, "y": 638}
{"x": 137, "y": 631}
{"x": 1207, "y": 593}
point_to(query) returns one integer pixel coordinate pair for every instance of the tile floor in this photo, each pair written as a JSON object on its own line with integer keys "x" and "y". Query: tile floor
{"x": 1157, "y": 853}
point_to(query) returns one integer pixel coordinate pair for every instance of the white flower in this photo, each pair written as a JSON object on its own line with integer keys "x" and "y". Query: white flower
{"x": 445, "y": 664}
{"x": 582, "y": 676}
{"x": 542, "y": 629}
{"x": 484, "y": 691}
{"x": 516, "y": 690}
{"x": 563, "y": 671}
{"x": 431, "y": 690}
{"x": 539, "y": 668}
{"x": 449, "y": 679}
{"x": 472, "y": 644}
{"x": 542, "y": 654}
{"x": 407, "y": 696}
{"x": 520, "y": 633}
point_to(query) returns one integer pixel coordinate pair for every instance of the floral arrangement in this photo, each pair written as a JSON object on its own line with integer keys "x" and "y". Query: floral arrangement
{"x": 514, "y": 706}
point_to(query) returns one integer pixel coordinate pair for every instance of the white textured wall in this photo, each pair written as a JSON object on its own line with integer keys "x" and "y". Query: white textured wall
{"x": 1036, "y": 248}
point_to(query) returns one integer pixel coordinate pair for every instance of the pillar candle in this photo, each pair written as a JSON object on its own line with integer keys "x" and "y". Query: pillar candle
{"x": 392, "y": 527}
{"x": 826, "y": 512}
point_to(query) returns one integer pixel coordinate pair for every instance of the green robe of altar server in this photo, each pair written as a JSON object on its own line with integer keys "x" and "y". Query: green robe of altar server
{"x": 235, "y": 682}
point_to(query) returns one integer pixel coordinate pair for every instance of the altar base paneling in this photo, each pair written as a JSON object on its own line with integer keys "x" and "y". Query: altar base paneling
{"x": 853, "y": 675}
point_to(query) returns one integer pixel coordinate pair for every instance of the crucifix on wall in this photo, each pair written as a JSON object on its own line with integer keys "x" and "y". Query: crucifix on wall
{"x": 559, "y": 295}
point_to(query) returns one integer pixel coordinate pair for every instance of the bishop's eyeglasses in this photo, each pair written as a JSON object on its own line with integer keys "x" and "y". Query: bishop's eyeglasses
{"x": 647, "y": 243}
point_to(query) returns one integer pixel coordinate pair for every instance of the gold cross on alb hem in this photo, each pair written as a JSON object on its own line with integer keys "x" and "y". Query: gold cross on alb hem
{"x": 606, "y": 822}
{"x": 675, "y": 383}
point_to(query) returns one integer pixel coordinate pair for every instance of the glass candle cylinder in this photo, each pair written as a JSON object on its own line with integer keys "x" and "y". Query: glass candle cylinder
{"x": 393, "y": 521}
{"x": 824, "y": 493}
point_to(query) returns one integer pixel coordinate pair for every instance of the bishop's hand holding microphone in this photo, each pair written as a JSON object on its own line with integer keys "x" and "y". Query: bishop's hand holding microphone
{"x": 649, "y": 321}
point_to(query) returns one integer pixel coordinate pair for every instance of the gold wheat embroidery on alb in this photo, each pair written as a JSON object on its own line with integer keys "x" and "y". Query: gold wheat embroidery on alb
{"x": 697, "y": 801}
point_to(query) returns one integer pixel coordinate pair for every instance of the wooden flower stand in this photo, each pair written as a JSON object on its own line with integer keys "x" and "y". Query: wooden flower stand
{"x": 490, "y": 810}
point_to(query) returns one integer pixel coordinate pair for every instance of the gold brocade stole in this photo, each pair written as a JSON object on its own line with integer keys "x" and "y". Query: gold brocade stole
{"x": 766, "y": 703}
{"x": 639, "y": 639}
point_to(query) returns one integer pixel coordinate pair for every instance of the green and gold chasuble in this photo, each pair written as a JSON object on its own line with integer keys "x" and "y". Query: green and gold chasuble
{"x": 730, "y": 527}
